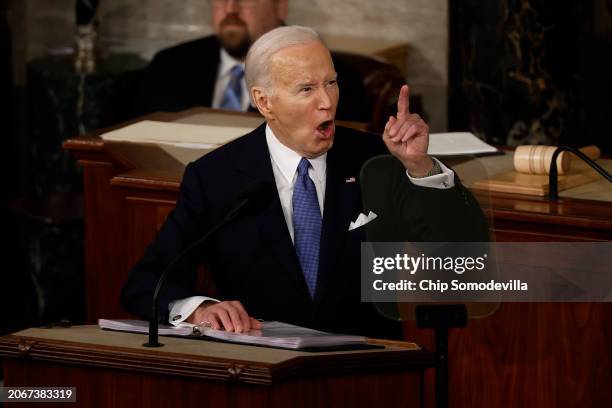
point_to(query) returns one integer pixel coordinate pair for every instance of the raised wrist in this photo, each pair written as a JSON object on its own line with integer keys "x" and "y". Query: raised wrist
{"x": 422, "y": 167}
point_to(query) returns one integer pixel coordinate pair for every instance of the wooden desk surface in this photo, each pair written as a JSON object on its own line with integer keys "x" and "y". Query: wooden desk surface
{"x": 91, "y": 345}
{"x": 487, "y": 166}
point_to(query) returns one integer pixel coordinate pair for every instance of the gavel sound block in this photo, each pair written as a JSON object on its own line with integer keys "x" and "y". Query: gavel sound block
{"x": 531, "y": 167}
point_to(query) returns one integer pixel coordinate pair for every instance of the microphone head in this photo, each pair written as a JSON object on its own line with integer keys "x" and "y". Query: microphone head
{"x": 256, "y": 198}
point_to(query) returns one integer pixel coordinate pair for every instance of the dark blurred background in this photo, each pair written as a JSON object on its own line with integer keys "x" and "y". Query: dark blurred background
{"x": 531, "y": 72}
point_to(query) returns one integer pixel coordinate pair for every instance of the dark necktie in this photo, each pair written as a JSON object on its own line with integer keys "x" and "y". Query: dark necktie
{"x": 232, "y": 97}
{"x": 307, "y": 225}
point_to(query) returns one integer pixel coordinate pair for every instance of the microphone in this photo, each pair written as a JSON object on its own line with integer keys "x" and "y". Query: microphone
{"x": 251, "y": 201}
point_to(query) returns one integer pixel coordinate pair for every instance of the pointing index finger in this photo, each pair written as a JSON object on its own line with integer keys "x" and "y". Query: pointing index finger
{"x": 403, "y": 102}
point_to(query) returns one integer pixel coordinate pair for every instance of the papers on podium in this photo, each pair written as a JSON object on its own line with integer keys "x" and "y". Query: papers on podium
{"x": 273, "y": 334}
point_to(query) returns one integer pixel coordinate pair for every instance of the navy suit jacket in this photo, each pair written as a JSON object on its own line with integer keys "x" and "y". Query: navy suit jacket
{"x": 184, "y": 76}
{"x": 253, "y": 259}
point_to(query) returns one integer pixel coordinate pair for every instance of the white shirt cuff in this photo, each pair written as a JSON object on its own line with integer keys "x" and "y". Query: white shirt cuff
{"x": 441, "y": 181}
{"x": 181, "y": 309}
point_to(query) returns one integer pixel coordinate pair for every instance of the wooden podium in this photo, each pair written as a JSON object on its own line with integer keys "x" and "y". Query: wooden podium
{"x": 112, "y": 369}
{"x": 542, "y": 354}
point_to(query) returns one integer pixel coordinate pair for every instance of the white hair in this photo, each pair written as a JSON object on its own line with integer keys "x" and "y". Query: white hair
{"x": 257, "y": 64}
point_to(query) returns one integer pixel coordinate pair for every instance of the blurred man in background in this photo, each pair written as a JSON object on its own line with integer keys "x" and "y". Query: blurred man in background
{"x": 210, "y": 71}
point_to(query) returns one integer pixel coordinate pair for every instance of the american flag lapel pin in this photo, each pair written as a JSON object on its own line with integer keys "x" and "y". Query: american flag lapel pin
{"x": 349, "y": 179}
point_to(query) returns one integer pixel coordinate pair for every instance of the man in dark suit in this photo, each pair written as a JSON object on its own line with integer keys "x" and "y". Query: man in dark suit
{"x": 199, "y": 72}
{"x": 297, "y": 260}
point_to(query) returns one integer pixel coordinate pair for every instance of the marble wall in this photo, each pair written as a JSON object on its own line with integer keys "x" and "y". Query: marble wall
{"x": 523, "y": 72}
{"x": 145, "y": 26}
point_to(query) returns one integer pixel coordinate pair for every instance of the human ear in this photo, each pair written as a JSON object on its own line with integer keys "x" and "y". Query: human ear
{"x": 262, "y": 101}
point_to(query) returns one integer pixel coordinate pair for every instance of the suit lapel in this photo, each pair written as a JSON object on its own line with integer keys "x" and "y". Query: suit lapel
{"x": 339, "y": 202}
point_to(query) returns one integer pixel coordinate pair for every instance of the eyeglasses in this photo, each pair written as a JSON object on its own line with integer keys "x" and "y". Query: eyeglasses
{"x": 242, "y": 4}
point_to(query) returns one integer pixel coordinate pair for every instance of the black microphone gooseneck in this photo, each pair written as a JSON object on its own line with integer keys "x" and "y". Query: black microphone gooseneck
{"x": 552, "y": 174}
{"x": 252, "y": 200}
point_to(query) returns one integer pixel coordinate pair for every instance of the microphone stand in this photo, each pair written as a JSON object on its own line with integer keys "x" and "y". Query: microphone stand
{"x": 154, "y": 319}
{"x": 553, "y": 190}
{"x": 441, "y": 318}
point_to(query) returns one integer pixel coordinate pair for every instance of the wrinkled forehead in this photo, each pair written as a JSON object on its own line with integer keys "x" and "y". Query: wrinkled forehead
{"x": 305, "y": 62}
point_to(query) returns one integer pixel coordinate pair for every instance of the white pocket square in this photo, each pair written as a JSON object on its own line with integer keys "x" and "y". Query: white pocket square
{"x": 362, "y": 220}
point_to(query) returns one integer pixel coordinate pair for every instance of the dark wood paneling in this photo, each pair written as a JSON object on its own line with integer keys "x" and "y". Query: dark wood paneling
{"x": 530, "y": 355}
{"x": 521, "y": 218}
{"x": 105, "y": 241}
{"x": 145, "y": 216}
{"x": 101, "y": 387}
{"x": 362, "y": 390}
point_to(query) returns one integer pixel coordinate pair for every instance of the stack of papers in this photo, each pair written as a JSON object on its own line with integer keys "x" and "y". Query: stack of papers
{"x": 272, "y": 334}
{"x": 176, "y": 134}
{"x": 457, "y": 144}
{"x": 140, "y": 326}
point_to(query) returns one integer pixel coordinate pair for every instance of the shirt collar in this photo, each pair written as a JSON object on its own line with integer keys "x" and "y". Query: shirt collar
{"x": 227, "y": 63}
{"x": 287, "y": 160}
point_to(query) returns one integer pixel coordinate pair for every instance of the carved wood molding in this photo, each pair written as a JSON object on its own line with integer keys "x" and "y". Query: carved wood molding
{"x": 212, "y": 368}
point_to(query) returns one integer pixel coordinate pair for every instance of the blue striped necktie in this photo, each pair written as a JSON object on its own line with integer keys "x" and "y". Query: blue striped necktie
{"x": 232, "y": 97}
{"x": 307, "y": 225}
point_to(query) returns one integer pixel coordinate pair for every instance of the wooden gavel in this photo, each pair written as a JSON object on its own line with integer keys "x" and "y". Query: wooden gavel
{"x": 535, "y": 159}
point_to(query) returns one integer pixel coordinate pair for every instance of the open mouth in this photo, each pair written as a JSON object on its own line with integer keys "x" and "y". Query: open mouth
{"x": 326, "y": 128}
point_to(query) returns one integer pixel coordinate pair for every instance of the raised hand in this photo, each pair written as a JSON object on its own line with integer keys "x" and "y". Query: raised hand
{"x": 407, "y": 137}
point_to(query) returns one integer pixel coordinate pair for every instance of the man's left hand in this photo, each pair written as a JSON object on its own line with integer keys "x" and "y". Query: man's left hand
{"x": 407, "y": 137}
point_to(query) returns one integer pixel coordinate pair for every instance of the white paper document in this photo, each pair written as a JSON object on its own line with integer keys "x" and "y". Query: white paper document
{"x": 178, "y": 134}
{"x": 140, "y": 326}
{"x": 457, "y": 143}
{"x": 272, "y": 334}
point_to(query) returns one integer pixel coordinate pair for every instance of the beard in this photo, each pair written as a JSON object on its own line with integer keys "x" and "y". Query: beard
{"x": 234, "y": 36}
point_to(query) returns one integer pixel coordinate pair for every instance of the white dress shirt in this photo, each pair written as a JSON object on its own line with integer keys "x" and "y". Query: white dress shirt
{"x": 284, "y": 166}
{"x": 227, "y": 62}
